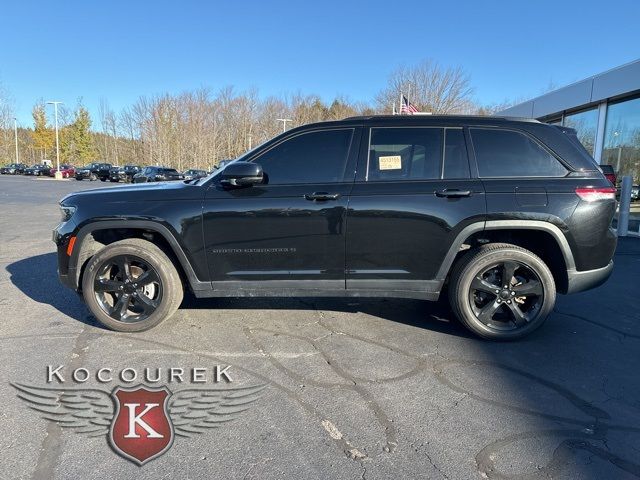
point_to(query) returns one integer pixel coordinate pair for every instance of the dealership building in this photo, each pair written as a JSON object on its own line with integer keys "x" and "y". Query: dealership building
{"x": 604, "y": 110}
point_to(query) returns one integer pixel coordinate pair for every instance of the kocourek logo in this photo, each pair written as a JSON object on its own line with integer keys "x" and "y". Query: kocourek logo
{"x": 139, "y": 421}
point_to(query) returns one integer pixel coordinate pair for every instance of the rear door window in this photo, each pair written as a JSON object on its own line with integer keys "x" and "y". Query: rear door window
{"x": 508, "y": 153}
{"x": 411, "y": 153}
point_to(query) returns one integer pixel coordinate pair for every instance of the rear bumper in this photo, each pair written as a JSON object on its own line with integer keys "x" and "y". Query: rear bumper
{"x": 588, "y": 279}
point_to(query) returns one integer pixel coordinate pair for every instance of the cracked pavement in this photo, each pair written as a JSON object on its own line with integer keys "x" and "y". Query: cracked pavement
{"x": 356, "y": 388}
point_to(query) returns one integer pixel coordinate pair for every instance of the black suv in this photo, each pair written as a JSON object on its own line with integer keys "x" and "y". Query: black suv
{"x": 157, "y": 174}
{"x": 194, "y": 173}
{"x": 124, "y": 174}
{"x": 13, "y": 169}
{"x": 38, "y": 170}
{"x": 94, "y": 171}
{"x": 499, "y": 213}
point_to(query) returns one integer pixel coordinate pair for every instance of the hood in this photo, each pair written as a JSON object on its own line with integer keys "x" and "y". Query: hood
{"x": 137, "y": 192}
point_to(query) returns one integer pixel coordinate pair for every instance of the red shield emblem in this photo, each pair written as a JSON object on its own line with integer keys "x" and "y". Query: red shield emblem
{"x": 141, "y": 429}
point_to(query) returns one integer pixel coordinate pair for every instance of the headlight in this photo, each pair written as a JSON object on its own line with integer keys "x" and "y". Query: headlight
{"x": 66, "y": 212}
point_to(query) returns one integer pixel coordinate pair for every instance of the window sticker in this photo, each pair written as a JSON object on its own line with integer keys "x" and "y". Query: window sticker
{"x": 391, "y": 162}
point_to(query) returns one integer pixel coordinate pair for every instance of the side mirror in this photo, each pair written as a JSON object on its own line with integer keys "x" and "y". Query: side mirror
{"x": 241, "y": 174}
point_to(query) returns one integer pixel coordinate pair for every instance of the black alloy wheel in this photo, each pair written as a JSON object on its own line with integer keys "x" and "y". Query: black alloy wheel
{"x": 127, "y": 288}
{"x": 506, "y": 296}
{"x": 501, "y": 291}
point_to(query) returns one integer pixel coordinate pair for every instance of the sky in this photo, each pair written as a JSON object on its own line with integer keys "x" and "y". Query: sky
{"x": 121, "y": 50}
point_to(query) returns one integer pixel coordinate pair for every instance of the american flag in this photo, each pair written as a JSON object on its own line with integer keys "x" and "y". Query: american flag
{"x": 407, "y": 107}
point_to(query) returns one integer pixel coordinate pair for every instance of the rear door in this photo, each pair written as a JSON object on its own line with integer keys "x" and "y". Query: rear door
{"x": 413, "y": 195}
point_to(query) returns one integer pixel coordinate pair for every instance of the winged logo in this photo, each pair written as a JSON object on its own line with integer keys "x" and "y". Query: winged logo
{"x": 140, "y": 422}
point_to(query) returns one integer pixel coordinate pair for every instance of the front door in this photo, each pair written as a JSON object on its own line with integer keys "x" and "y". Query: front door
{"x": 289, "y": 232}
{"x": 413, "y": 195}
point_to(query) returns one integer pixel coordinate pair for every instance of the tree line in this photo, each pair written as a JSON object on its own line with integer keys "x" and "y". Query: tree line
{"x": 197, "y": 129}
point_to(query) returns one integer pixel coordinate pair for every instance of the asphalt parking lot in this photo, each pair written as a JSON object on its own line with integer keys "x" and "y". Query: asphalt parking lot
{"x": 373, "y": 389}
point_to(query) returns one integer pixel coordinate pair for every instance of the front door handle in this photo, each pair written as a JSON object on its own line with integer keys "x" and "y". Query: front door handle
{"x": 453, "y": 193}
{"x": 321, "y": 196}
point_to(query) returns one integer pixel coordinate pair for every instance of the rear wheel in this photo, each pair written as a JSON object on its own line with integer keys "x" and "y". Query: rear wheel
{"x": 502, "y": 291}
{"x": 131, "y": 286}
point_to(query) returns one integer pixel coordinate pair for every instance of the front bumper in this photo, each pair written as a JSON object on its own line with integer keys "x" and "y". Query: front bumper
{"x": 588, "y": 279}
{"x": 60, "y": 236}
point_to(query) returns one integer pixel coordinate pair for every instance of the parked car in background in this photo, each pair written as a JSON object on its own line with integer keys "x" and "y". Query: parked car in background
{"x": 193, "y": 173}
{"x": 13, "y": 169}
{"x": 157, "y": 174}
{"x": 124, "y": 174}
{"x": 66, "y": 170}
{"x": 635, "y": 193}
{"x": 37, "y": 170}
{"x": 609, "y": 173}
{"x": 94, "y": 171}
{"x": 223, "y": 163}
{"x": 113, "y": 171}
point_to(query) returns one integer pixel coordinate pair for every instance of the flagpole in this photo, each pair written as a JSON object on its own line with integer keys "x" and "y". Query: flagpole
{"x": 400, "y": 102}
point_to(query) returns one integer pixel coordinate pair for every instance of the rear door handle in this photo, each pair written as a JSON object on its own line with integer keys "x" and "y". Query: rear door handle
{"x": 453, "y": 193}
{"x": 321, "y": 196}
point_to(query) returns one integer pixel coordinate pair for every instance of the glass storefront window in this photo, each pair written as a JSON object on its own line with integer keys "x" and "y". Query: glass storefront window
{"x": 586, "y": 125}
{"x": 622, "y": 138}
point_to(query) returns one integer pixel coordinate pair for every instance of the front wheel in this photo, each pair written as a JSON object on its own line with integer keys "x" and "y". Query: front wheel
{"x": 131, "y": 285}
{"x": 502, "y": 291}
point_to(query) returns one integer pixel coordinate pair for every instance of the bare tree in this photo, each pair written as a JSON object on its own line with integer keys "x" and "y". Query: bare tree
{"x": 6, "y": 126}
{"x": 430, "y": 87}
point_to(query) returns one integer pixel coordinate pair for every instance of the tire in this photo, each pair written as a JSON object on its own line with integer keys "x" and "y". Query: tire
{"x": 480, "y": 301}
{"x": 79, "y": 179}
{"x": 145, "y": 306}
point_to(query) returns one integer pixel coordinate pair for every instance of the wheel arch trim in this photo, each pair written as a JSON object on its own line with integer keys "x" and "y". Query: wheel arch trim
{"x": 150, "y": 225}
{"x": 476, "y": 227}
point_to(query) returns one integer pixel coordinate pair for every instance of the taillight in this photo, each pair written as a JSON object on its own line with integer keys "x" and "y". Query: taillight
{"x": 592, "y": 194}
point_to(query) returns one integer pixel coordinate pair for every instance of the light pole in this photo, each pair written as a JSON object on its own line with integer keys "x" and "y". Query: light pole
{"x": 58, "y": 172}
{"x": 617, "y": 136}
{"x": 15, "y": 130}
{"x": 284, "y": 123}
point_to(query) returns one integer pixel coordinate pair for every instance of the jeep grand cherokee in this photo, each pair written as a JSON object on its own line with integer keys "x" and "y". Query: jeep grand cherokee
{"x": 500, "y": 213}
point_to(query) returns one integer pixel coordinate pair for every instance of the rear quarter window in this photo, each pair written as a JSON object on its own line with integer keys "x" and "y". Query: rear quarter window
{"x": 509, "y": 153}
